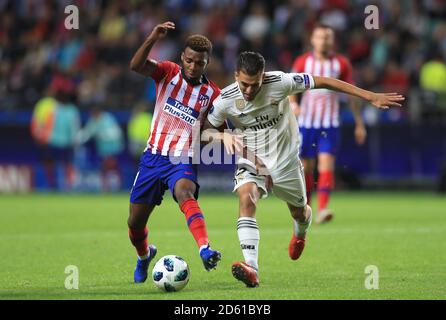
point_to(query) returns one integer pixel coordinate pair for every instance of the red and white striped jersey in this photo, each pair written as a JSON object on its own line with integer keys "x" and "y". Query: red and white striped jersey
{"x": 320, "y": 107}
{"x": 179, "y": 110}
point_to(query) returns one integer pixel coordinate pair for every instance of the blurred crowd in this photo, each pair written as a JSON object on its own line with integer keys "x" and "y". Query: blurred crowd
{"x": 408, "y": 49}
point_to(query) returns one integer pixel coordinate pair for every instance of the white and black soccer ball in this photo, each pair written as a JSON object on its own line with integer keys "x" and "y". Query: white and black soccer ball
{"x": 171, "y": 273}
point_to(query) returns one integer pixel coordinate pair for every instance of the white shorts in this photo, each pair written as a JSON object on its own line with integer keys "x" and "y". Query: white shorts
{"x": 289, "y": 182}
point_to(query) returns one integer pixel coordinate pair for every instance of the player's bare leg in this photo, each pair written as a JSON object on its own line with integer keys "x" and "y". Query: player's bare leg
{"x": 139, "y": 214}
{"x": 326, "y": 165}
{"x": 137, "y": 223}
{"x": 309, "y": 165}
{"x": 248, "y": 234}
{"x": 302, "y": 217}
{"x": 185, "y": 194}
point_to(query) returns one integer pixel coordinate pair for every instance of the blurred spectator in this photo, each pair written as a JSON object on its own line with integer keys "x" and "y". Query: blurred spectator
{"x": 68, "y": 51}
{"x": 395, "y": 78}
{"x": 34, "y": 45}
{"x": 54, "y": 125}
{"x": 256, "y": 24}
{"x": 138, "y": 130}
{"x": 433, "y": 83}
{"x": 358, "y": 47}
{"x": 109, "y": 141}
{"x": 113, "y": 26}
{"x": 433, "y": 74}
{"x": 42, "y": 120}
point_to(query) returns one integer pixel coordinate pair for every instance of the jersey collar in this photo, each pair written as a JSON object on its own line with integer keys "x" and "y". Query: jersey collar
{"x": 330, "y": 55}
{"x": 203, "y": 79}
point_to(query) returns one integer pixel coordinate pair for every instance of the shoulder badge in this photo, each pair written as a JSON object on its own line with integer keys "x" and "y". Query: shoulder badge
{"x": 239, "y": 103}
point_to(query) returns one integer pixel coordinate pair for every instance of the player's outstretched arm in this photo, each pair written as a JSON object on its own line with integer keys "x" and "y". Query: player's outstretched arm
{"x": 139, "y": 62}
{"x": 379, "y": 100}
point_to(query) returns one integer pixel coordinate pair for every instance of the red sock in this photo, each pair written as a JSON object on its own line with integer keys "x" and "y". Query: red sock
{"x": 309, "y": 183}
{"x": 139, "y": 240}
{"x": 195, "y": 221}
{"x": 324, "y": 187}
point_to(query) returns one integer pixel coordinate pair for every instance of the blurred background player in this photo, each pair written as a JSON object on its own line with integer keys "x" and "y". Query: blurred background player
{"x": 318, "y": 116}
{"x": 184, "y": 96}
{"x": 109, "y": 141}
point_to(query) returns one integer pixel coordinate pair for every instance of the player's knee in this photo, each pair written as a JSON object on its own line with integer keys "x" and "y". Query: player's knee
{"x": 137, "y": 217}
{"x": 300, "y": 213}
{"x": 183, "y": 195}
{"x": 132, "y": 223}
{"x": 248, "y": 203}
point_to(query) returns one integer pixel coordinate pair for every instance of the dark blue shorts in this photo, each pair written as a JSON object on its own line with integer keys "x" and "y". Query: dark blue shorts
{"x": 315, "y": 141}
{"x": 158, "y": 173}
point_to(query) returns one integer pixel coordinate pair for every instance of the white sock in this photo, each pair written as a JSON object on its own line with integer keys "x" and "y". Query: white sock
{"x": 147, "y": 256}
{"x": 249, "y": 236}
{"x": 301, "y": 228}
{"x": 203, "y": 247}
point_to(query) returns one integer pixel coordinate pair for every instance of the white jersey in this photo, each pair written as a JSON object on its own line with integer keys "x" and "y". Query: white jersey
{"x": 267, "y": 123}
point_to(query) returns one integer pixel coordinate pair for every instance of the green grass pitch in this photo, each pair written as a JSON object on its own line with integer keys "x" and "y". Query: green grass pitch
{"x": 403, "y": 234}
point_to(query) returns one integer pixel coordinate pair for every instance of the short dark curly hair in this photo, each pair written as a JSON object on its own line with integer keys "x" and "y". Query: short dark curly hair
{"x": 199, "y": 43}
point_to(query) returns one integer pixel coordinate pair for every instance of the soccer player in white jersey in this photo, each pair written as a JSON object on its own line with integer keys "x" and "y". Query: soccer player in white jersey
{"x": 257, "y": 105}
{"x": 318, "y": 116}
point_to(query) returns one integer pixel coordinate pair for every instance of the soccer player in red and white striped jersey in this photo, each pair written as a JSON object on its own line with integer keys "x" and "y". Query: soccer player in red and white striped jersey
{"x": 183, "y": 98}
{"x": 318, "y": 115}
{"x": 179, "y": 106}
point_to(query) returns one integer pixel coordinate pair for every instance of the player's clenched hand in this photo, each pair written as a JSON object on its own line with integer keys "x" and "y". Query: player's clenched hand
{"x": 160, "y": 30}
{"x": 386, "y": 100}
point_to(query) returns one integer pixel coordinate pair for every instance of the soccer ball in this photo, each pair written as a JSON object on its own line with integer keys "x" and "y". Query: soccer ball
{"x": 171, "y": 273}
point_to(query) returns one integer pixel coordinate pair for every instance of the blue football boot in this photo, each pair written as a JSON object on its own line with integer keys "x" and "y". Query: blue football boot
{"x": 210, "y": 258}
{"x": 142, "y": 266}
